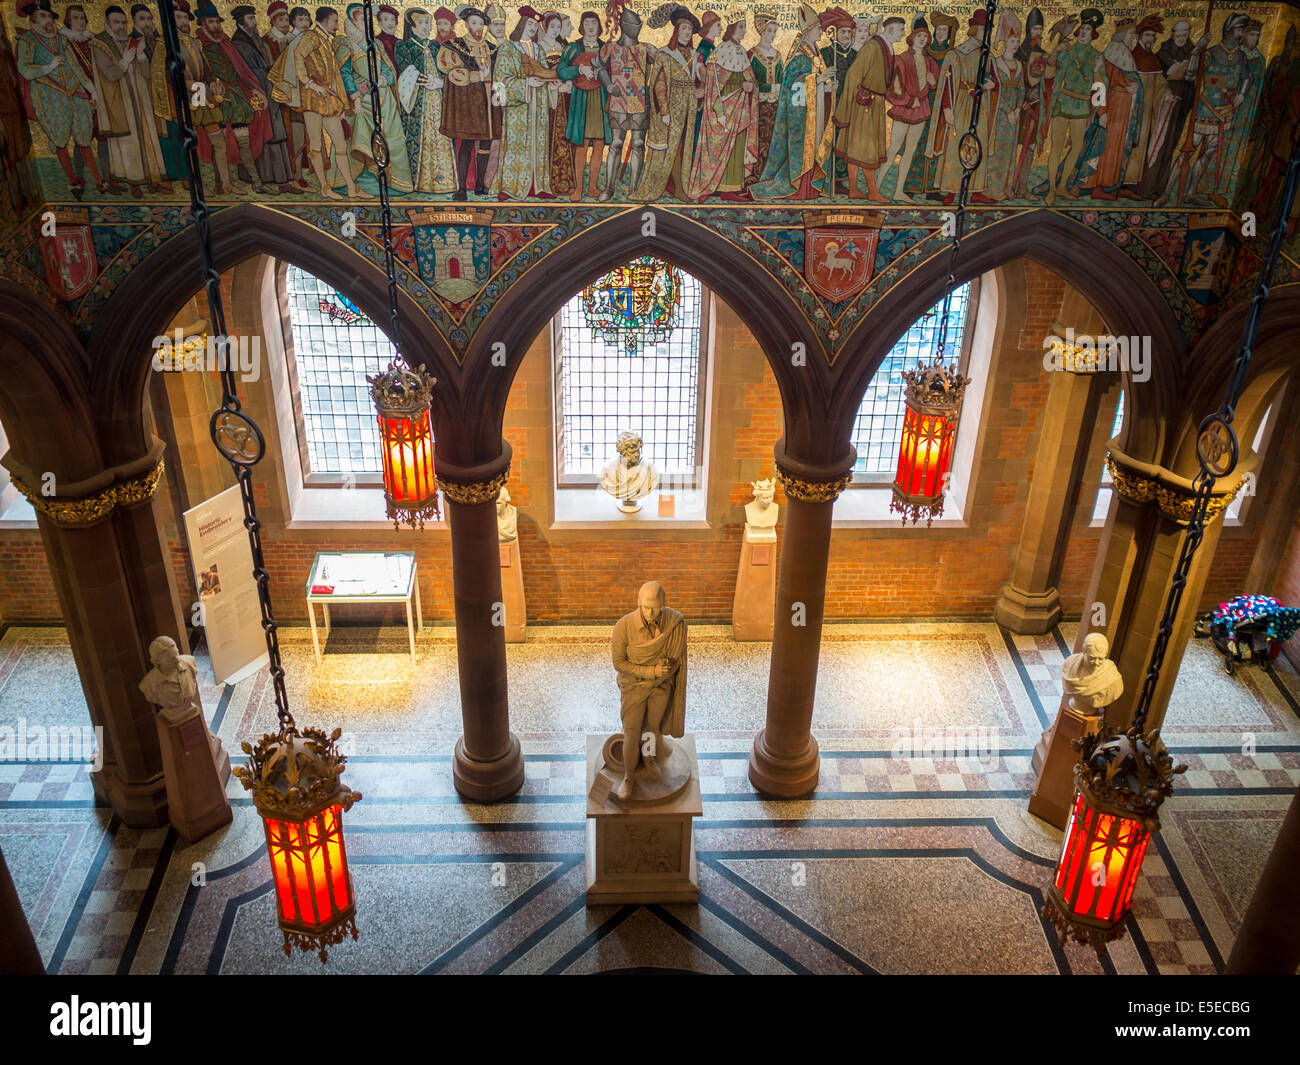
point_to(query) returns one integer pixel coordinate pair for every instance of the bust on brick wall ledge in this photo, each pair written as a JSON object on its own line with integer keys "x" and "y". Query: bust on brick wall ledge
{"x": 761, "y": 513}
{"x": 627, "y": 478}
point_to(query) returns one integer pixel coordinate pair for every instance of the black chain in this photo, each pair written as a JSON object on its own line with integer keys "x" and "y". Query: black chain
{"x": 1222, "y": 418}
{"x": 230, "y": 428}
{"x": 379, "y": 152}
{"x": 968, "y": 166}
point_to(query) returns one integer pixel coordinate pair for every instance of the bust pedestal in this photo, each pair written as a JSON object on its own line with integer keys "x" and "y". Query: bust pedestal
{"x": 1054, "y": 759}
{"x": 753, "y": 610}
{"x": 643, "y": 851}
{"x": 195, "y": 768}
{"x": 512, "y": 592}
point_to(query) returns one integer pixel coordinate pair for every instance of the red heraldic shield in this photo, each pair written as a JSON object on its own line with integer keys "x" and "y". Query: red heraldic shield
{"x": 69, "y": 257}
{"x": 840, "y": 252}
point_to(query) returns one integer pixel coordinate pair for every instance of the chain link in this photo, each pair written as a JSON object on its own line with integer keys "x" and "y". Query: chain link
{"x": 217, "y": 317}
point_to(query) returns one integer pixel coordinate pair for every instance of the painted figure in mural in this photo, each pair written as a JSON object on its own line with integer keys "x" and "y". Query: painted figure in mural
{"x": 466, "y": 65}
{"x": 839, "y": 29}
{"x": 1033, "y": 58}
{"x": 588, "y": 129}
{"x": 1072, "y": 71}
{"x": 15, "y": 136}
{"x": 307, "y": 76}
{"x": 726, "y": 153}
{"x": 710, "y": 31}
{"x": 419, "y": 92}
{"x": 626, "y": 70}
{"x": 1113, "y": 131}
{"x": 273, "y": 160}
{"x": 76, "y": 31}
{"x": 60, "y": 92}
{"x": 954, "y": 100}
{"x": 916, "y": 179}
{"x": 1179, "y": 59}
{"x": 1155, "y": 95}
{"x": 911, "y": 85}
{"x": 1263, "y": 170}
{"x": 387, "y": 18}
{"x": 765, "y": 62}
{"x": 1198, "y": 173}
{"x": 522, "y": 74}
{"x": 1005, "y": 105}
{"x": 674, "y": 100}
{"x": 122, "y": 85}
{"x": 277, "y": 39}
{"x": 860, "y": 139}
{"x": 245, "y": 109}
{"x": 1243, "y": 121}
{"x": 792, "y": 163}
{"x": 363, "y": 125}
{"x": 142, "y": 27}
{"x": 556, "y": 28}
{"x": 496, "y": 28}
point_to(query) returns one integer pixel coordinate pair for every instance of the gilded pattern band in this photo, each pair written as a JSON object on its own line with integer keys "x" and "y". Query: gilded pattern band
{"x": 1173, "y": 504}
{"x": 90, "y": 509}
{"x": 477, "y": 491}
{"x": 812, "y": 491}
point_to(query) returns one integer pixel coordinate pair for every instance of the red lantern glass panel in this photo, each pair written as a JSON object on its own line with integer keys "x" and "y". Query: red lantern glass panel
{"x": 1099, "y": 864}
{"x": 408, "y": 459}
{"x": 925, "y": 454}
{"x": 309, "y": 866}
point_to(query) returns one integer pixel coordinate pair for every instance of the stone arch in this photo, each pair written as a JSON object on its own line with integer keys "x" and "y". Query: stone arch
{"x": 142, "y": 306}
{"x": 758, "y": 298}
{"x": 1126, "y": 298}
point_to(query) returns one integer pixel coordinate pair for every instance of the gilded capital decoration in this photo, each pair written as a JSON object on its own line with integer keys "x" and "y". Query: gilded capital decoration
{"x": 477, "y": 491}
{"x": 89, "y": 509}
{"x": 812, "y": 491}
{"x": 1172, "y": 503}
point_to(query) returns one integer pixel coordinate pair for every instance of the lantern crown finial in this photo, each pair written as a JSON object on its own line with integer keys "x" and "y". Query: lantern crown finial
{"x": 935, "y": 387}
{"x": 1130, "y": 772}
{"x": 401, "y": 389}
{"x": 294, "y": 774}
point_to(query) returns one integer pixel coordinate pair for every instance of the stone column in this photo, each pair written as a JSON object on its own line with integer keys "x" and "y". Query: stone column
{"x": 1269, "y": 940}
{"x": 784, "y": 761}
{"x": 488, "y": 762}
{"x": 1030, "y": 601}
{"x": 112, "y": 572}
{"x": 18, "y": 953}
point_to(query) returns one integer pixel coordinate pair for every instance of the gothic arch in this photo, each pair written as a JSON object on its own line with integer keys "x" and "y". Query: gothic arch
{"x": 1125, "y": 297}
{"x": 524, "y": 309}
{"x": 155, "y": 291}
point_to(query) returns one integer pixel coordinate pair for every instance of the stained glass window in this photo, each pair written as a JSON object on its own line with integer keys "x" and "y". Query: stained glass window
{"x": 605, "y": 385}
{"x": 634, "y": 305}
{"x": 334, "y": 347}
{"x": 879, "y": 423}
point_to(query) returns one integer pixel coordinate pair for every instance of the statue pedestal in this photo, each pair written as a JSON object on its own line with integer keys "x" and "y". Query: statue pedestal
{"x": 195, "y": 768}
{"x": 643, "y": 851}
{"x": 512, "y": 592}
{"x": 754, "y": 608}
{"x": 1054, "y": 760}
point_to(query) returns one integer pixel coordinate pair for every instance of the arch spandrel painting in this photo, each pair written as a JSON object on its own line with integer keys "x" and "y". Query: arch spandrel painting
{"x": 512, "y": 128}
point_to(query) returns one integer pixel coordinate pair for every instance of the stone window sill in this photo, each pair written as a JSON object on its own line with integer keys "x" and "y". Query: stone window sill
{"x": 359, "y": 509}
{"x": 593, "y": 508}
{"x": 868, "y": 508}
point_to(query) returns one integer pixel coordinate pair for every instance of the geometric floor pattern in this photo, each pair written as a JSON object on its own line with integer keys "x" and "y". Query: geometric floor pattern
{"x": 914, "y": 855}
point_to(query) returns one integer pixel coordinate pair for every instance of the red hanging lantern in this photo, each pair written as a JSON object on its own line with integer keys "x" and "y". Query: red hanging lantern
{"x": 933, "y": 396}
{"x": 1122, "y": 779}
{"x": 402, "y": 399}
{"x": 294, "y": 778}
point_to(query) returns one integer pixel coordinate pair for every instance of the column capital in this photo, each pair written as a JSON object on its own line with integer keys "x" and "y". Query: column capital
{"x": 93, "y": 499}
{"x": 813, "y": 482}
{"x": 480, "y": 483}
{"x": 1173, "y": 496}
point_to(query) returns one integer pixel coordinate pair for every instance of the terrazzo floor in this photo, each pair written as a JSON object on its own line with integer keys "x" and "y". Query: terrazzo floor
{"x": 897, "y": 864}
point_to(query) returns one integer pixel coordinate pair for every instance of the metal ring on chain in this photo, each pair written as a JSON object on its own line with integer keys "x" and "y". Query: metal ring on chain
{"x": 379, "y": 148}
{"x": 970, "y": 152}
{"x": 237, "y": 437}
{"x": 1216, "y": 446}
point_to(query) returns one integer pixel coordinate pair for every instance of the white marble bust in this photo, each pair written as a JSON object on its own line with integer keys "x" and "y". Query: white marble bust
{"x": 173, "y": 683}
{"x": 1091, "y": 680}
{"x": 627, "y": 478}
{"x": 761, "y": 513}
{"x": 507, "y": 518}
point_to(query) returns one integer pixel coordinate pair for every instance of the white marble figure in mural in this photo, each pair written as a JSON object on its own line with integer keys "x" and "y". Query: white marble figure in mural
{"x": 1090, "y": 680}
{"x": 627, "y": 478}
{"x": 507, "y": 517}
{"x": 761, "y": 513}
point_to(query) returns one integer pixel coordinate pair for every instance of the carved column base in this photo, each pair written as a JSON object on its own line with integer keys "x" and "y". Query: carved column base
{"x": 1055, "y": 753}
{"x": 140, "y": 804}
{"x": 1027, "y": 613}
{"x": 488, "y": 781}
{"x": 783, "y": 776}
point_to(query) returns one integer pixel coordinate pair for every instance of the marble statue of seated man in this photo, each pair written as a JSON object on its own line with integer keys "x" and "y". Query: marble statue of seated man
{"x": 649, "y": 651}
